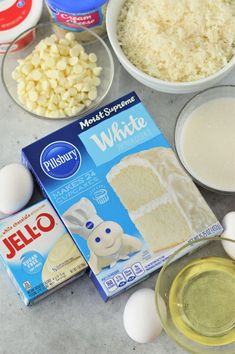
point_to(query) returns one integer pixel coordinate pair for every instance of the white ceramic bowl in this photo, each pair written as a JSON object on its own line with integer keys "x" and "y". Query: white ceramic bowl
{"x": 113, "y": 11}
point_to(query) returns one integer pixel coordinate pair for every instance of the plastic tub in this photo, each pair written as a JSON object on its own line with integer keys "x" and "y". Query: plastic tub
{"x": 16, "y": 17}
{"x": 89, "y": 13}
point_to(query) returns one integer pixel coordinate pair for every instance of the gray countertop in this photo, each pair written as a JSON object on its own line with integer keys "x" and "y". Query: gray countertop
{"x": 75, "y": 319}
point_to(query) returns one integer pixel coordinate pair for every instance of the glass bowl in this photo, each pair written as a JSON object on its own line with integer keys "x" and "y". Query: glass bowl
{"x": 92, "y": 44}
{"x": 195, "y": 297}
{"x": 213, "y": 93}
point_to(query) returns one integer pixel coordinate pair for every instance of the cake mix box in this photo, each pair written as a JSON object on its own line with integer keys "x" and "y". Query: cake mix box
{"x": 38, "y": 253}
{"x": 119, "y": 189}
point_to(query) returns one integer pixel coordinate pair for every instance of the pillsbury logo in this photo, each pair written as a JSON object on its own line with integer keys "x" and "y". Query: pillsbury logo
{"x": 60, "y": 160}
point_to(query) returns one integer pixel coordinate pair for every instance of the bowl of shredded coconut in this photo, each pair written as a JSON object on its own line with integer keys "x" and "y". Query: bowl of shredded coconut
{"x": 174, "y": 46}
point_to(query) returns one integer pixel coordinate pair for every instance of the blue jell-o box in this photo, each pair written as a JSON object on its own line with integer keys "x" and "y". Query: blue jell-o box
{"x": 38, "y": 253}
{"x": 118, "y": 187}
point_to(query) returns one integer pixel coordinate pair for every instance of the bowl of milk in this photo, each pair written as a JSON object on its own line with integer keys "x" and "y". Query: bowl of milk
{"x": 205, "y": 138}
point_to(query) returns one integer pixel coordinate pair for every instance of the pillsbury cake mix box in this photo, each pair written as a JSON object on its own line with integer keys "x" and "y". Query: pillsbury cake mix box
{"x": 118, "y": 187}
{"x": 38, "y": 253}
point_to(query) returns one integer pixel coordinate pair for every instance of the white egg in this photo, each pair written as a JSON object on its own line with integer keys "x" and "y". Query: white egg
{"x": 228, "y": 223}
{"x": 140, "y": 317}
{"x": 16, "y": 188}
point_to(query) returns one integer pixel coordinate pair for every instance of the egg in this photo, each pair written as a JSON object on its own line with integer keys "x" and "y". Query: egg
{"x": 228, "y": 223}
{"x": 16, "y": 188}
{"x": 140, "y": 317}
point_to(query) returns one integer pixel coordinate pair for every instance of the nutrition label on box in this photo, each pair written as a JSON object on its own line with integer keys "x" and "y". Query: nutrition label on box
{"x": 126, "y": 276}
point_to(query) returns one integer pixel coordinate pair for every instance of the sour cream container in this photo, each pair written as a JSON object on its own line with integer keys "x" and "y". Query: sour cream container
{"x": 74, "y": 13}
{"x": 16, "y": 16}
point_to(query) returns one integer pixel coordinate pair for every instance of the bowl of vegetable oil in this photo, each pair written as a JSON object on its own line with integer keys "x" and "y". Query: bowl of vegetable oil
{"x": 199, "y": 295}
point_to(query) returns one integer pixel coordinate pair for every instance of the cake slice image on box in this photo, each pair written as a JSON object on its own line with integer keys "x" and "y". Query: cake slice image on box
{"x": 161, "y": 200}
{"x": 63, "y": 257}
{"x": 106, "y": 240}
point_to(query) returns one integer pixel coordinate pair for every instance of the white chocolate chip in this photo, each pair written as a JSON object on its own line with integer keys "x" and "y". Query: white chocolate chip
{"x": 31, "y": 105}
{"x": 52, "y": 74}
{"x": 68, "y": 111}
{"x": 64, "y": 42}
{"x": 54, "y": 49}
{"x": 63, "y": 50}
{"x": 96, "y": 81}
{"x": 72, "y": 92}
{"x": 51, "y": 106}
{"x": 33, "y": 96}
{"x": 61, "y": 65}
{"x": 30, "y": 85}
{"x": 85, "y": 88}
{"x": 97, "y": 70}
{"x": 87, "y": 103}
{"x": 58, "y": 78}
{"x": 65, "y": 96}
{"x": 27, "y": 68}
{"x": 73, "y": 61}
{"x": 62, "y": 104}
{"x": 40, "y": 111}
{"x": 21, "y": 85}
{"x": 70, "y": 36}
{"x": 78, "y": 69}
{"x": 53, "y": 83}
{"x": 84, "y": 56}
{"x": 42, "y": 100}
{"x": 92, "y": 95}
{"x": 36, "y": 75}
{"x": 76, "y": 50}
{"x": 45, "y": 85}
{"x": 92, "y": 58}
{"x": 35, "y": 60}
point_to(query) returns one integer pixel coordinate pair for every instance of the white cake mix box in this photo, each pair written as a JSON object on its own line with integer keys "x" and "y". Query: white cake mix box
{"x": 118, "y": 187}
{"x": 38, "y": 253}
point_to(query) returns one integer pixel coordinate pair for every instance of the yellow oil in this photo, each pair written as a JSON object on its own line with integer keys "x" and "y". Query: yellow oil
{"x": 202, "y": 301}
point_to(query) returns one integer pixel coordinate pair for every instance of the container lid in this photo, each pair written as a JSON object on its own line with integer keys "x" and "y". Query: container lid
{"x": 76, "y": 6}
{"x": 17, "y": 16}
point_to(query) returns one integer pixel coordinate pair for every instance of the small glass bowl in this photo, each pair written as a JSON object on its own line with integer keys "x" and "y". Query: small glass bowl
{"x": 92, "y": 44}
{"x": 184, "y": 320}
{"x": 222, "y": 91}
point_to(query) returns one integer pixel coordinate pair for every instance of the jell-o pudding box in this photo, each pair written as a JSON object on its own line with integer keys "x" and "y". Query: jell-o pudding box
{"x": 38, "y": 253}
{"x": 118, "y": 187}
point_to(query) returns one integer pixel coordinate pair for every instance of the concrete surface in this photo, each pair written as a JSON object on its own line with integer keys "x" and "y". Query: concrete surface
{"x": 75, "y": 319}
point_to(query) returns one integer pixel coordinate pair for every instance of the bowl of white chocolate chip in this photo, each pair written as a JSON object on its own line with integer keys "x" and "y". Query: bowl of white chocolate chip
{"x": 57, "y": 76}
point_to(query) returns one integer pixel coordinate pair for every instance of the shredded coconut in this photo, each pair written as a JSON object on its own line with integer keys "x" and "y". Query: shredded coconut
{"x": 178, "y": 40}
